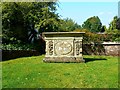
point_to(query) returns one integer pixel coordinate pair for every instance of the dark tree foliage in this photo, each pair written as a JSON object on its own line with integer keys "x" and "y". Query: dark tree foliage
{"x": 20, "y": 20}
{"x": 118, "y": 24}
{"x": 103, "y": 29}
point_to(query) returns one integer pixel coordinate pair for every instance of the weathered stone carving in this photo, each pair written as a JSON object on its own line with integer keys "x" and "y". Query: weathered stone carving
{"x": 78, "y": 47}
{"x": 50, "y": 47}
{"x": 63, "y": 46}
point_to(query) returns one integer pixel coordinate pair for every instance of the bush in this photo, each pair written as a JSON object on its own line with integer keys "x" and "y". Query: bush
{"x": 90, "y": 37}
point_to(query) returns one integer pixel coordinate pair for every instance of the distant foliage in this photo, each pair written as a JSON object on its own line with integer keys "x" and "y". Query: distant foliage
{"x": 68, "y": 25}
{"x": 93, "y": 24}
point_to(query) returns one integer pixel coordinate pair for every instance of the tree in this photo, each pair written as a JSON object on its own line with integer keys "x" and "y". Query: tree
{"x": 103, "y": 28}
{"x": 20, "y": 18}
{"x": 0, "y": 19}
{"x": 93, "y": 24}
{"x": 68, "y": 25}
{"x": 113, "y": 24}
{"x": 118, "y": 24}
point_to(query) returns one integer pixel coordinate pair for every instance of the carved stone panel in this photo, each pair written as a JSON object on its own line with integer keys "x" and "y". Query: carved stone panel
{"x": 78, "y": 47}
{"x": 63, "y": 47}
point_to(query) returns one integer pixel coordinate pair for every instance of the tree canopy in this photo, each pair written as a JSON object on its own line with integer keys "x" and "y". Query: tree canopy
{"x": 113, "y": 24}
{"x": 93, "y": 24}
{"x": 22, "y": 21}
{"x": 118, "y": 24}
{"x": 19, "y": 18}
{"x": 68, "y": 25}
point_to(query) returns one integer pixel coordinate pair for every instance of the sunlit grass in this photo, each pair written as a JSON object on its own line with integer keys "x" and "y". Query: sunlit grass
{"x": 32, "y": 72}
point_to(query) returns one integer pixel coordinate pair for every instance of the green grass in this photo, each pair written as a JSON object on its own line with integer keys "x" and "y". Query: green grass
{"x": 32, "y": 72}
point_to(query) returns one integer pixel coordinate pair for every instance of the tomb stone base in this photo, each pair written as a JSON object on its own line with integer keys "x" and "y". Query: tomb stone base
{"x": 64, "y": 59}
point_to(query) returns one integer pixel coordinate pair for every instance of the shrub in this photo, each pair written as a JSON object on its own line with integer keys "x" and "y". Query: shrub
{"x": 90, "y": 37}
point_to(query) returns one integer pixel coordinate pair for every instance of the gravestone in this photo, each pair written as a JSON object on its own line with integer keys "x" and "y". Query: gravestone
{"x": 63, "y": 46}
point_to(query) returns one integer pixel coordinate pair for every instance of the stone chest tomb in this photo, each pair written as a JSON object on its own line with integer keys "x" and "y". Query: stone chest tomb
{"x": 63, "y": 46}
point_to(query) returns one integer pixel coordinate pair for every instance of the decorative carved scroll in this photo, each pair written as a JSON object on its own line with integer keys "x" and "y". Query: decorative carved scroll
{"x": 50, "y": 47}
{"x": 78, "y": 45}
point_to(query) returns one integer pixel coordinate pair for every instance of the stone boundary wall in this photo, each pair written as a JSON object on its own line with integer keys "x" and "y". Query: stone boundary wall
{"x": 112, "y": 48}
{"x": 12, "y": 54}
{"x": 106, "y": 48}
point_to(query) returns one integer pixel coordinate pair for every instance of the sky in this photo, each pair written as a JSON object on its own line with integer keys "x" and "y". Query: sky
{"x": 81, "y": 10}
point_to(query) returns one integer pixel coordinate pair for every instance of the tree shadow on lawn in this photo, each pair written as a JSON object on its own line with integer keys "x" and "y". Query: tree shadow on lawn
{"x": 93, "y": 59}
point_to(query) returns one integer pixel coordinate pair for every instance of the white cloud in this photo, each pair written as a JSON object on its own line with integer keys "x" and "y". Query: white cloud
{"x": 107, "y": 13}
{"x": 101, "y": 13}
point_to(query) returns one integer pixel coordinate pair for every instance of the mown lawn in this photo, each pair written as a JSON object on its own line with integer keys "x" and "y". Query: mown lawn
{"x": 32, "y": 72}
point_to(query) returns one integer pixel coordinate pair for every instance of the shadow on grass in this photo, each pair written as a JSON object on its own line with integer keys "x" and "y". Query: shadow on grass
{"x": 93, "y": 59}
